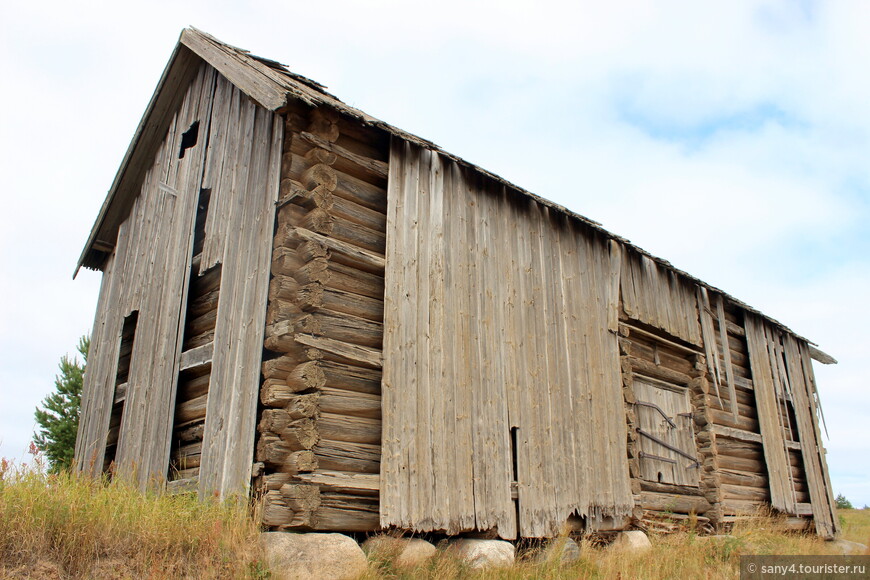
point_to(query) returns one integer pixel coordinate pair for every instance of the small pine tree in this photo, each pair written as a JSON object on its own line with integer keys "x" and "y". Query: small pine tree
{"x": 843, "y": 503}
{"x": 58, "y": 417}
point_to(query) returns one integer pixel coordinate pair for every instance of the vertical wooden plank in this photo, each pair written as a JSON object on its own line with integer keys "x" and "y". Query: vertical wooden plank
{"x": 775, "y": 456}
{"x": 619, "y": 502}
{"x": 220, "y": 157}
{"x": 216, "y": 236}
{"x": 499, "y": 458}
{"x": 506, "y": 304}
{"x": 578, "y": 400}
{"x": 560, "y": 402}
{"x": 709, "y": 339}
{"x": 457, "y": 405}
{"x": 440, "y": 505}
{"x": 255, "y": 265}
{"x": 615, "y": 252}
{"x": 412, "y": 333}
{"x": 391, "y": 480}
{"x": 538, "y": 380}
{"x": 231, "y": 409}
{"x": 527, "y": 437}
{"x": 525, "y": 322}
{"x": 823, "y": 514}
{"x": 421, "y": 348}
{"x": 548, "y": 315}
{"x": 827, "y": 523}
{"x": 780, "y": 381}
{"x": 726, "y": 356}
{"x": 470, "y": 294}
{"x": 93, "y": 427}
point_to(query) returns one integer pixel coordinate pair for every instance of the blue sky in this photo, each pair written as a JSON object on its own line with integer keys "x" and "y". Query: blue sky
{"x": 732, "y": 140}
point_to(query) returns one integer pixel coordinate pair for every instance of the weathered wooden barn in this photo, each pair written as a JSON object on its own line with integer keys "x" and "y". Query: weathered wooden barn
{"x": 302, "y": 301}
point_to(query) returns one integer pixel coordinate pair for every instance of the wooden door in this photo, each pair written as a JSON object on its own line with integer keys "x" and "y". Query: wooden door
{"x": 667, "y": 437}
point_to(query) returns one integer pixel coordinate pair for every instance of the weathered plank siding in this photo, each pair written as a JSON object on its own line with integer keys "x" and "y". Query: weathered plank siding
{"x": 803, "y": 394}
{"x": 149, "y": 271}
{"x": 659, "y": 297}
{"x": 148, "y": 274}
{"x": 768, "y": 388}
{"x": 783, "y": 372}
{"x": 242, "y": 170}
{"x": 496, "y": 317}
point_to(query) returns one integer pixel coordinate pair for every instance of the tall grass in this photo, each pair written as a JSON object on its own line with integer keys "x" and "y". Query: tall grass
{"x": 856, "y": 525}
{"x": 66, "y": 526}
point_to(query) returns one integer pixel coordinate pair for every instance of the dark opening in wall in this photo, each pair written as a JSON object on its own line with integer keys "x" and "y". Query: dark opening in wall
{"x": 125, "y": 356}
{"x": 201, "y": 217}
{"x": 515, "y": 491}
{"x": 514, "y": 452}
{"x": 189, "y": 138}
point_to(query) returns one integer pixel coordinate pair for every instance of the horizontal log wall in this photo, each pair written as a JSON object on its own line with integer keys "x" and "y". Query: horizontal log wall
{"x": 320, "y": 425}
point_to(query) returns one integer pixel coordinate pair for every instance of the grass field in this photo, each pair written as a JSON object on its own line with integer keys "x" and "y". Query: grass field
{"x": 62, "y": 526}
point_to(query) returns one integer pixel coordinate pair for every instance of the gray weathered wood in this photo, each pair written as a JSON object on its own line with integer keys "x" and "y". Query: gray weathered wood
{"x": 453, "y": 374}
{"x": 781, "y": 496}
{"x": 197, "y": 357}
{"x": 252, "y": 189}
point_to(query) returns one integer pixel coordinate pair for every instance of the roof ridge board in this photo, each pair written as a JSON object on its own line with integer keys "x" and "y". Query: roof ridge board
{"x": 273, "y": 65}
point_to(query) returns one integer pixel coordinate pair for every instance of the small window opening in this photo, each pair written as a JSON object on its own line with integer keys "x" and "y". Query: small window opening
{"x": 661, "y": 477}
{"x": 189, "y": 138}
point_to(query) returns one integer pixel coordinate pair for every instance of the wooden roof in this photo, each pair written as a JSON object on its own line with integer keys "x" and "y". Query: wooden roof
{"x": 272, "y": 86}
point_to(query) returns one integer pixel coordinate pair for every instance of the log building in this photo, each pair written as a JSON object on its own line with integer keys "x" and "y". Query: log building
{"x": 301, "y": 301}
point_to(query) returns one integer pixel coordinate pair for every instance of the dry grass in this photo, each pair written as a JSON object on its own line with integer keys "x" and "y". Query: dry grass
{"x": 73, "y": 527}
{"x": 856, "y": 525}
{"x": 678, "y": 555}
{"x": 63, "y": 526}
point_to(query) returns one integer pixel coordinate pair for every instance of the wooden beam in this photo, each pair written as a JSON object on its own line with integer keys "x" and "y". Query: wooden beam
{"x": 252, "y": 77}
{"x": 364, "y": 256}
{"x": 362, "y": 354}
{"x": 631, "y": 328}
{"x": 197, "y": 357}
{"x": 740, "y": 434}
{"x": 821, "y": 357}
{"x": 673, "y": 503}
{"x": 120, "y": 393}
{"x": 344, "y": 482}
{"x": 188, "y": 485}
{"x": 371, "y": 166}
